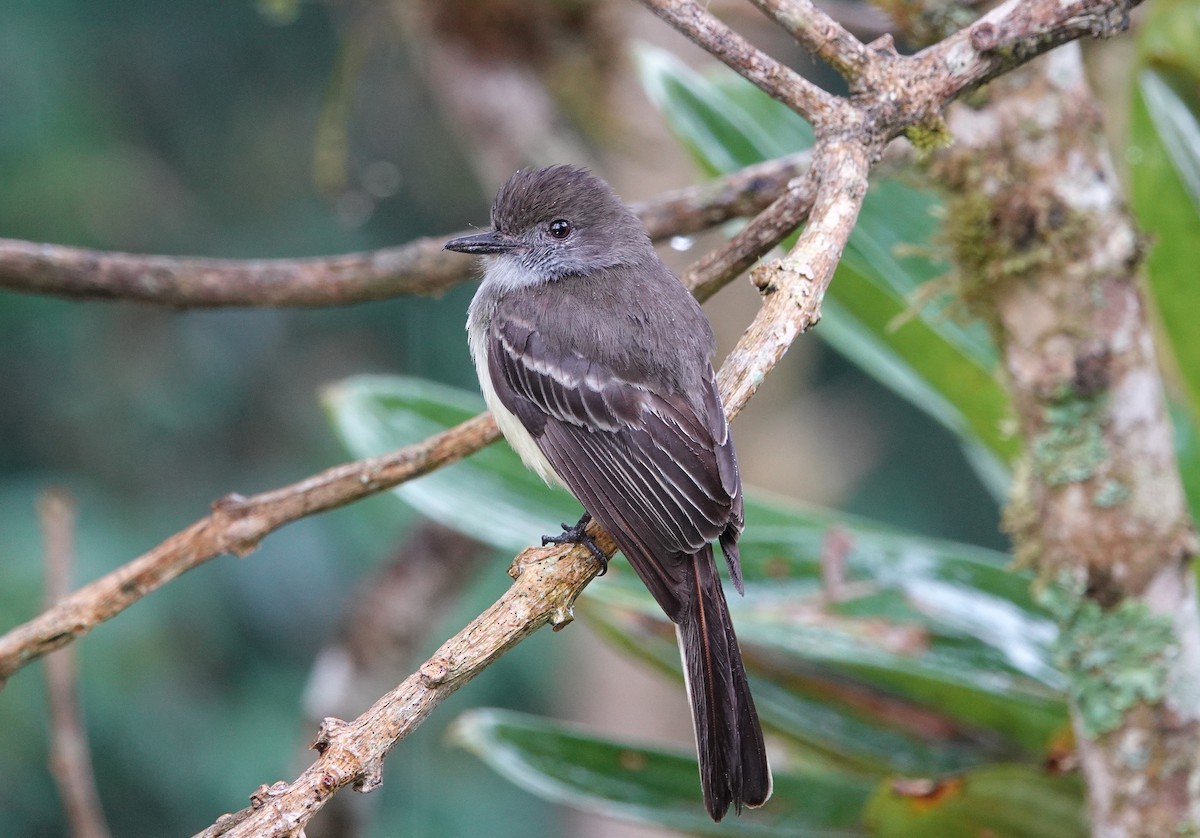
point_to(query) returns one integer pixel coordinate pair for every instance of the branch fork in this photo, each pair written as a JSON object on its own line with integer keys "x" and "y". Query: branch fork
{"x": 890, "y": 93}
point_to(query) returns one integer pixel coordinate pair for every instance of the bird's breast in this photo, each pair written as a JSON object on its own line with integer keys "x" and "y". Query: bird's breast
{"x": 521, "y": 441}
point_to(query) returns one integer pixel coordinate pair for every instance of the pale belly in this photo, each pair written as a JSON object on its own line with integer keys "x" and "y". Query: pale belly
{"x": 519, "y": 438}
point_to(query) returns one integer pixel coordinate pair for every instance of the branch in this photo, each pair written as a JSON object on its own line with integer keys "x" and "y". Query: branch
{"x": 793, "y": 287}
{"x": 893, "y": 92}
{"x": 419, "y": 267}
{"x": 1005, "y": 38}
{"x": 776, "y": 80}
{"x": 548, "y": 580}
{"x": 236, "y": 525}
{"x": 70, "y": 756}
{"x": 821, "y": 35}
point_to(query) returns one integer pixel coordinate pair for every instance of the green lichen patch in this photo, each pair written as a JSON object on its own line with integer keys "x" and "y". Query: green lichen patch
{"x": 1113, "y": 659}
{"x": 1072, "y": 445}
{"x": 1111, "y": 493}
{"x": 929, "y": 135}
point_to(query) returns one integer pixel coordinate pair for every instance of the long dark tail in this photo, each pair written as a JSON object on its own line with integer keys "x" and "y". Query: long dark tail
{"x": 733, "y": 761}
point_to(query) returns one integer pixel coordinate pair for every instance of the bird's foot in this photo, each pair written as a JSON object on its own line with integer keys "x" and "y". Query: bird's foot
{"x": 577, "y": 534}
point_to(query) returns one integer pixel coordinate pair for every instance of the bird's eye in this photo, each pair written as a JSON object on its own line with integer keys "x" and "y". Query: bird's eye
{"x": 560, "y": 229}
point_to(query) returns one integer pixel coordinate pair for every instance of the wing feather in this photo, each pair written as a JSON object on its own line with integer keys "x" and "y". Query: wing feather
{"x": 657, "y": 469}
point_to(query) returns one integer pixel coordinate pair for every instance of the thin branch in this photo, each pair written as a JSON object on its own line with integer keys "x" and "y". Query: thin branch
{"x": 793, "y": 287}
{"x": 70, "y": 756}
{"x": 419, "y": 267}
{"x": 236, "y": 525}
{"x": 1005, "y": 38}
{"x": 548, "y": 580}
{"x": 768, "y": 229}
{"x": 821, "y": 35}
{"x": 741, "y": 194}
{"x": 776, "y": 80}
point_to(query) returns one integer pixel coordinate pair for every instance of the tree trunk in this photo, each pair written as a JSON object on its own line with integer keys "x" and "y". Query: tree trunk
{"x": 1048, "y": 254}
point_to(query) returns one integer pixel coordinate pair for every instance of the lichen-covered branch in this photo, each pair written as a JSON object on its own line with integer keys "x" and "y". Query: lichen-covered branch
{"x": 821, "y": 35}
{"x": 1050, "y": 258}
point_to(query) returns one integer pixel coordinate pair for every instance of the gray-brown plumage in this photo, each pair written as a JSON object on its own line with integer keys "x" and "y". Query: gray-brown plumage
{"x": 596, "y": 362}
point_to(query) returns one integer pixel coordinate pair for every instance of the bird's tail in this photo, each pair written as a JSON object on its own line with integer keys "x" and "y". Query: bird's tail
{"x": 729, "y": 740}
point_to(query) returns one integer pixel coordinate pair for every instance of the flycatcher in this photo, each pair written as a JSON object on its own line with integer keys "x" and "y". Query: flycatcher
{"x": 596, "y": 363}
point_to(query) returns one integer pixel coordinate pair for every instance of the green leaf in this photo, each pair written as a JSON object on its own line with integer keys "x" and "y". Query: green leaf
{"x": 652, "y": 786}
{"x": 1164, "y": 163}
{"x": 490, "y": 496}
{"x": 722, "y": 126}
{"x": 943, "y": 366}
{"x": 930, "y": 631}
{"x": 936, "y": 658}
{"x": 1015, "y": 801}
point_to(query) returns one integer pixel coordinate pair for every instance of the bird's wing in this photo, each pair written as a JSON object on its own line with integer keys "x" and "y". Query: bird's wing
{"x": 656, "y": 469}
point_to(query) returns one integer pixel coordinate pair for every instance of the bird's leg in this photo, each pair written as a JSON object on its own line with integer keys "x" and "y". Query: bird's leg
{"x": 578, "y": 535}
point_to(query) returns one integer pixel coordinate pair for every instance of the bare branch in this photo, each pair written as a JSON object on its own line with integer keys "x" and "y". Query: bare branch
{"x": 821, "y": 35}
{"x": 768, "y": 229}
{"x": 548, "y": 579}
{"x": 236, "y": 525}
{"x": 1006, "y": 37}
{"x": 742, "y": 194}
{"x": 419, "y": 267}
{"x": 774, "y": 79}
{"x": 70, "y": 756}
{"x": 793, "y": 287}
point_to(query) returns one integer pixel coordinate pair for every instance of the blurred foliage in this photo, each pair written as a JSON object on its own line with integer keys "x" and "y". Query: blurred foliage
{"x": 208, "y": 131}
{"x": 1164, "y": 165}
{"x": 191, "y": 130}
{"x": 936, "y": 660}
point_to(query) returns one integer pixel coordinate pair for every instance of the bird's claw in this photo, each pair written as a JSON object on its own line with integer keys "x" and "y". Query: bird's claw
{"x": 577, "y": 534}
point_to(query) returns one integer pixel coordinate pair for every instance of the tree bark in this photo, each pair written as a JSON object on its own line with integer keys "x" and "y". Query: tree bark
{"x": 1047, "y": 252}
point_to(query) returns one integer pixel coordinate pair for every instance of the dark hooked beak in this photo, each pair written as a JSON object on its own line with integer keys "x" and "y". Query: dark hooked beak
{"x": 493, "y": 241}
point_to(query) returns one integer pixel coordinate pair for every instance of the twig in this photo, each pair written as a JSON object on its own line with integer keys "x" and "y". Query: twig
{"x": 389, "y": 620}
{"x": 821, "y": 35}
{"x": 236, "y": 525}
{"x": 793, "y": 287}
{"x": 419, "y": 267}
{"x": 70, "y": 756}
{"x": 776, "y": 80}
{"x": 769, "y": 228}
{"x": 548, "y": 579}
{"x": 741, "y": 194}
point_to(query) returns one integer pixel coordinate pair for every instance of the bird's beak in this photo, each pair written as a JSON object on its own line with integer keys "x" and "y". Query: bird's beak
{"x": 493, "y": 241}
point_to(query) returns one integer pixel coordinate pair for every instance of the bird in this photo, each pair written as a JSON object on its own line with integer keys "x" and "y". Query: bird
{"x": 596, "y": 362}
